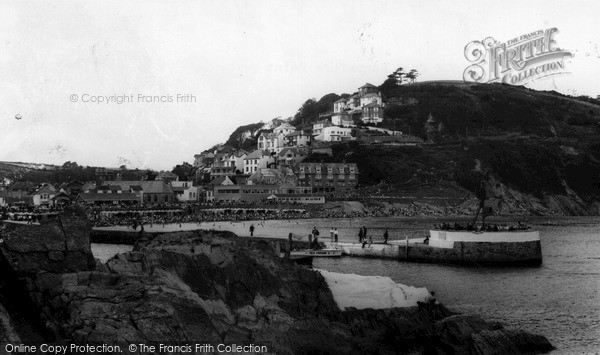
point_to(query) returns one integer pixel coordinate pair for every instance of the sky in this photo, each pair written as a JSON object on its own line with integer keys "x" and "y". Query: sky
{"x": 233, "y": 63}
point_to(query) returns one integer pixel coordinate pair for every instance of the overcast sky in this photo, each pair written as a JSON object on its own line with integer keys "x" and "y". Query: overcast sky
{"x": 244, "y": 61}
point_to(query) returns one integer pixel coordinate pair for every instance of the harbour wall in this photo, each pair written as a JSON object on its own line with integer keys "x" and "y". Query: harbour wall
{"x": 527, "y": 253}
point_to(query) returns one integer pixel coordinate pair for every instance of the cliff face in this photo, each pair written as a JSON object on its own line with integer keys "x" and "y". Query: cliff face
{"x": 210, "y": 286}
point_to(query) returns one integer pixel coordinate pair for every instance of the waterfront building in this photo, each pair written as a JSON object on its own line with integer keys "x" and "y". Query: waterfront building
{"x": 148, "y": 191}
{"x": 328, "y": 177}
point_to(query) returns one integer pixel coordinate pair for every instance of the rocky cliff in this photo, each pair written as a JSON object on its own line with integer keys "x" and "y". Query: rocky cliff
{"x": 211, "y": 287}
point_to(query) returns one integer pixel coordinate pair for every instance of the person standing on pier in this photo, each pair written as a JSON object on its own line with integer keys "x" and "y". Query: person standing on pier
{"x": 252, "y": 230}
{"x": 335, "y": 235}
{"x": 385, "y": 237}
{"x": 360, "y": 235}
{"x": 315, "y": 233}
{"x": 331, "y": 233}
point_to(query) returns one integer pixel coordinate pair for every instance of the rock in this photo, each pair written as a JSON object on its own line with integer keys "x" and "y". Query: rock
{"x": 8, "y": 334}
{"x": 471, "y": 334}
{"x": 57, "y": 246}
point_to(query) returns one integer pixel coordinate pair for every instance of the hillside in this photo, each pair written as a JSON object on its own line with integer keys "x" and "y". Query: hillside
{"x": 488, "y": 109}
{"x": 539, "y": 151}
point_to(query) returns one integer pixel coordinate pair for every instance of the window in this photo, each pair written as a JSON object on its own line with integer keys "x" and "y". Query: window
{"x": 351, "y": 176}
{"x": 318, "y": 176}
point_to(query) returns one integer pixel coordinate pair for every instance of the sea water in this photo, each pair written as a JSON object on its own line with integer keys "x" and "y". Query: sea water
{"x": 560, "y": 299}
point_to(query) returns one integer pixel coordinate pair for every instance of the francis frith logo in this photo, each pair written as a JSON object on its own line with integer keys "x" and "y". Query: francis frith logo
{"x": 521, "y": 60}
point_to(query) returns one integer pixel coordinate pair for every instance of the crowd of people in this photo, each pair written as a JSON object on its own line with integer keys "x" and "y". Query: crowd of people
{"x": 237, "y": 213}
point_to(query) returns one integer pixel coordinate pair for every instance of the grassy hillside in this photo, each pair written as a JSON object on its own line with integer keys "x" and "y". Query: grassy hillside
{"x": 468, "y": 110}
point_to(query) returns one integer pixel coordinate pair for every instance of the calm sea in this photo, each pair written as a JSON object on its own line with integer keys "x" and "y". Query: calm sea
{"x": 560, "y": 299}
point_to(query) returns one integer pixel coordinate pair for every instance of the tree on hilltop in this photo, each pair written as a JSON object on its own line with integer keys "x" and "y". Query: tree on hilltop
{"x": 411, "y": 76}
{"x": 399, "y": 76}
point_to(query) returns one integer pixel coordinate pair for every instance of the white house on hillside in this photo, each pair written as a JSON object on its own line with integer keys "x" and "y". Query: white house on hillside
{"x": 318, "y": 127}
{"x": 258, "y": 159}
{"x": 273, "y": 142}
{"x": 336, "y": 134}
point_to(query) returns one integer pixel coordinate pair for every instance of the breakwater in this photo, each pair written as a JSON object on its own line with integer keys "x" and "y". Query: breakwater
{"x": 465, "y": 253}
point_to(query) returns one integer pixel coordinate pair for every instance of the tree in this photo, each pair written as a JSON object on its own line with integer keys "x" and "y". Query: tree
{"x": 399, "y": 75}
{"x": 151, "y": 175}
{"x": 306, "y": 112}
{"x": 412, "y": 75}
{"x": 184, "y": 171}
{"x": 70, "y": 165}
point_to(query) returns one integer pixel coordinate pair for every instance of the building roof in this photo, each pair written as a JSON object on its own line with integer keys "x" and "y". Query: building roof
{"x": 266, "y": 173}
{"x": 61, "y": 194}
{"x": 148, "y": 186}
{"x": 46, "y": 189}
{"x": 341, "y": 100}
{"x": 372, "y": 104}
{"x": 166, "y": 174}
{"x": 293, "y": 150}
{"x": 257, "y": 154}
{"x": 109, "y": 188}
{"x": 240, "y": 153}
{"x": 93, "y": 196}
{"x": 368, "y": 85}
{"x": 217, "y": 181}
